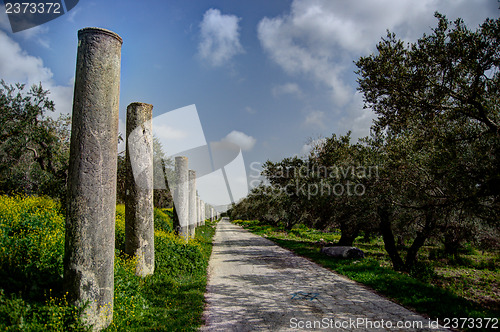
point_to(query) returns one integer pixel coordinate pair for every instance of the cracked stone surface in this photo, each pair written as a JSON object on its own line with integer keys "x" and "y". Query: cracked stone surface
{"x": 255, "y": 285}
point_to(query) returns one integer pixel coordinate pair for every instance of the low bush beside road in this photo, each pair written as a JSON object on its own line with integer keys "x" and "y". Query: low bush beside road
{"x": 31, "y": 252}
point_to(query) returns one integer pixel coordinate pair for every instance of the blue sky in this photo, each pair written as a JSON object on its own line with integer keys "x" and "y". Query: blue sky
{"x": 266, "y": 75}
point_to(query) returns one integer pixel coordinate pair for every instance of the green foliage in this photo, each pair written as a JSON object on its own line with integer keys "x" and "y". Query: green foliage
{"x": 120, "y": 228}
{"x": 55, "y": 314}
{"x": 176, "y": 257}
{"x": 121, "y": 175}
{"x": 266, "y": 204}
{"x": 31, "y": 252}
{"x": 434, "y": 147}
{"x": 34, "y": 148}
{"x": 31, "y": 245}
{"x": 423, "y": 271}
{"x": 162, "y": 168}
{"x": 163, "y": 220}
{"x": 173, "y": 297}
{"x": 411, "y": 290}
{"x": 438, "y": 126}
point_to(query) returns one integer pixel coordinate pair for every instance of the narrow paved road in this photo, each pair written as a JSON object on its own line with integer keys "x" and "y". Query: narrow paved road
{"x": 254, "y": 285}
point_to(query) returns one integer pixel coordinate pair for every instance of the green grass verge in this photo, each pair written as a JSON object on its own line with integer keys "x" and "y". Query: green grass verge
{"x": 375, "y": 272}
{"x": 172, "y": 299}
{"x": 31, "y": 250}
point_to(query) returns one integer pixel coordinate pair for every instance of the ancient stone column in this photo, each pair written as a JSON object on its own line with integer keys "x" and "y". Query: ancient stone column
{"x": 139, "y": 215}
{"x": 198, "y": 210}
{"x": 211, "y": 214}
{"x": 202, "y": 204}
{"x": 181, "y": 195}
{"x": 90, "y": 219}
{"x": 192, "y": 203}
{"x": 205, "y": 215}
{"x": 207, "y": 211}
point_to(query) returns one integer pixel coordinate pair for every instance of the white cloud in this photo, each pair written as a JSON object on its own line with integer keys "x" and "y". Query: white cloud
{"x": 316, "y": 119}
{"x": 163, "y": 131}
{"x": 219, "y": 37}
{"x": 320, "y": 39}
{"x": 307, "y": 148}
{"x": 244, "y": 141}
{"x": 62, "y": 95}
{"x": 356, "y": 119}
{"x": 17, "y": 66}
{"x": 250, "y": 110}
{"x": 37, "y": 34}
{"x": 289, "y": 45}
{"x": 332, "y": 31}
{"x": 288, "y": 88}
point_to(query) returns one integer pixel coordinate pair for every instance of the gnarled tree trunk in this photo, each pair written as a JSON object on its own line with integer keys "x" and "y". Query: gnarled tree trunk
{"x": 388, "y": 236}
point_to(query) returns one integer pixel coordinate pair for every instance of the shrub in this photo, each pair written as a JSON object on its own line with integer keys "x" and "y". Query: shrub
{"x": 55, "y": 314}
{"x": 422, "y": 271}
{"x": 163, "y": 220}
{"x": 31, "y": 245}
{"x": 172, "y": 254}
{"x": 31, "y": 268}
{"x": 120, "y": 228}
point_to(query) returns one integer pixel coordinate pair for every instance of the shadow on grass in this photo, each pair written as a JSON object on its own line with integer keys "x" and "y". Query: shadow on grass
{"x": 400, "y": 287}
{"x": 424, "y": 298}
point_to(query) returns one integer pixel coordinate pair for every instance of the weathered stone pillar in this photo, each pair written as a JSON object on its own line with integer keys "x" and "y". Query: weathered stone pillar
{"x": 91, "y": 207}
{"x": 181, "y": 195}
{"x": 211, "y": 214}
{"x": 198, "y": 208}
{"x": 192, "y": 203}
{"x": 206, "y": 213}
{"x": 139, "y": 214}
{"x": 202, "y": 222}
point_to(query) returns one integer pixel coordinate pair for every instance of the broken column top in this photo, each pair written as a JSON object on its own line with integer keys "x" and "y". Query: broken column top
{"x": 137, "y": 103}
{"x": 138, "y": 113}
{"x": 100, "y": 31}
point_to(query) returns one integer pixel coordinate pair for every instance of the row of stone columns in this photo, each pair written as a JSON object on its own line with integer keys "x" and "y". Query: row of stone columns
{"x": 191, "y": 210}
{"x": 192, "y": 203}
{"x": 92, "y": 176}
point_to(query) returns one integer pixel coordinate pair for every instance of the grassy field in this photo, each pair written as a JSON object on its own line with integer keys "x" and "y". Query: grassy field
{"x": 440, "y": 287}
{"x": 31, "y": 251}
